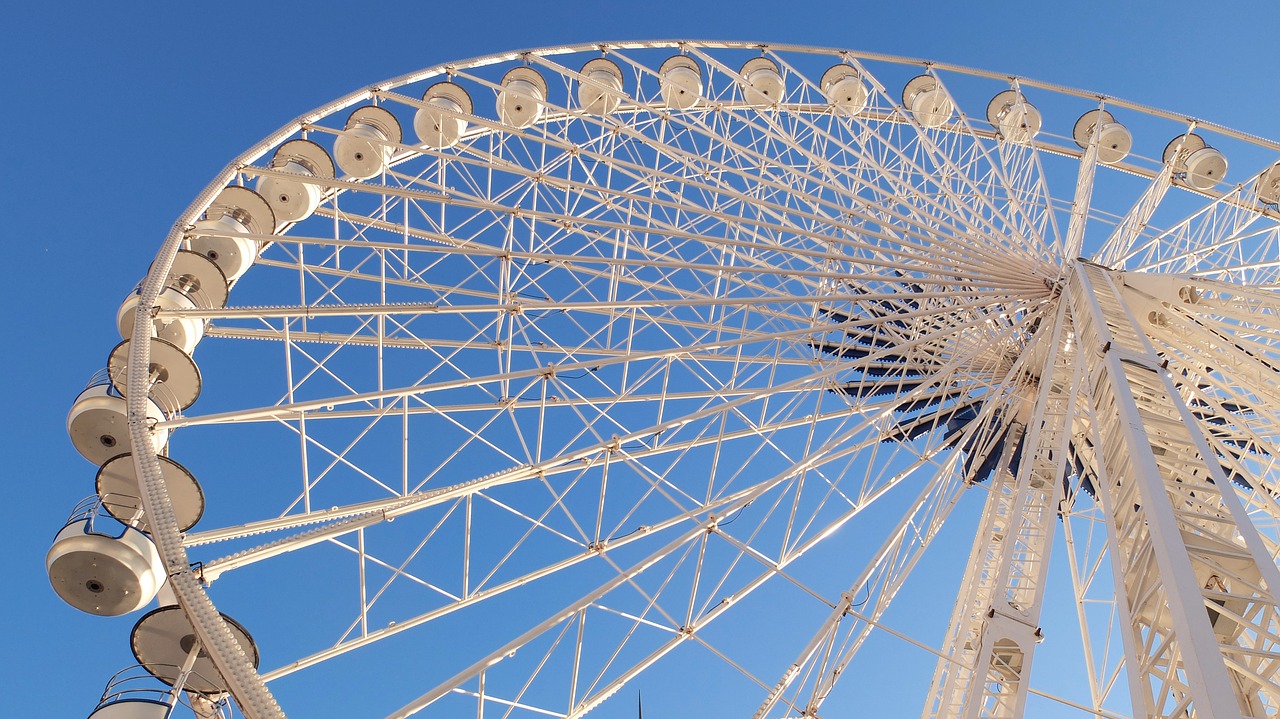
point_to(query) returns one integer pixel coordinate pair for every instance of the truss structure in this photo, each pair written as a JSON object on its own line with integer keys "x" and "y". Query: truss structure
{"x": 707, "y": 398}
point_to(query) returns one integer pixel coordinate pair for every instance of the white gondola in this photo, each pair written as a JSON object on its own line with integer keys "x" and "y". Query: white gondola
{"x": 98, "y": 423}
{"x": 927, "y": 101}
{"x": 762, "y": 83}
{"x": 118, "y": 488}
{"x": 523, "y": 97}
{"x": 364, "y": 148}
{"x": 1114, "y": 140}
{"x": 194, "y": 281}
{"x": 440, "y": 124}
{"x": 198, "y": 277}
{"x": 600, "y": 89}
{"x": 1205, "y": 168}
{"x": 172, "y": 376}
{"x": 101, "y": 566}
{"x": 1148, "y": 294}
{"x": 1013, "y": 117}
{"x": 1268, "y": 186}
{"x": 843, "y": 88}
{"x": 681, "y": 82}
{"x": 295, "y": 199}
{"x": 185, "y": 332}
{"x": 235, "y": 211}
{"x": 1195, "y": 163}
{"x": 163, "y": 640}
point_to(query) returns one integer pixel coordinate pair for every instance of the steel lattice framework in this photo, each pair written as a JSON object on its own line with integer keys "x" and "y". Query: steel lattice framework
{"x": 687, "y": 372}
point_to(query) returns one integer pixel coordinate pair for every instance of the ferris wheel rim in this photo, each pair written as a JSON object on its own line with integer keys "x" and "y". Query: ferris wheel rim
{"x": 258, "y": 150}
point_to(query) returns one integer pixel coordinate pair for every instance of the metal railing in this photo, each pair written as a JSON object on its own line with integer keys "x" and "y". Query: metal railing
{"x": 137, "y": 684}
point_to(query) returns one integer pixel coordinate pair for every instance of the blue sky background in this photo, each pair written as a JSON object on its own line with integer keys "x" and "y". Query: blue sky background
{"x": 115, "y": 118}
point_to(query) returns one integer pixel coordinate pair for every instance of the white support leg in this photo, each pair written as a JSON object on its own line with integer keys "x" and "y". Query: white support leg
{"x": 1204, "y": 628}
{"x": 987, "y": 656}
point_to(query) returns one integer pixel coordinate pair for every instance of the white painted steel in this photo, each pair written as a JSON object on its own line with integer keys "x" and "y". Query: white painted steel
{"x": 1185, "y": 552}
{"x": 996, "y": 625}
{"x": 629, "y": 358}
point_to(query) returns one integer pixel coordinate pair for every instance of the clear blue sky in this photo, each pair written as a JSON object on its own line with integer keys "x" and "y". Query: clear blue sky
{"x": 114, "y": 118}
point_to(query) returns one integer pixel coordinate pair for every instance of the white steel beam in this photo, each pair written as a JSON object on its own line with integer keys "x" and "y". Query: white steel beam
{"x": 1204, "y": 628}
{"x": 1083, "y": 197}
{"x": 985, "y": 661}
{"x": 1135, "y": 222}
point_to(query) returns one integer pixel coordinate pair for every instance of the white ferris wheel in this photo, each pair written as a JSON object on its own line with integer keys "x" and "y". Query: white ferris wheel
{"x": 509, "y": 386}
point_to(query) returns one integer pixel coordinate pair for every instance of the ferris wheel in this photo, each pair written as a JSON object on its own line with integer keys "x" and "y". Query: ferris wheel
{"x": 755, "y": 378}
